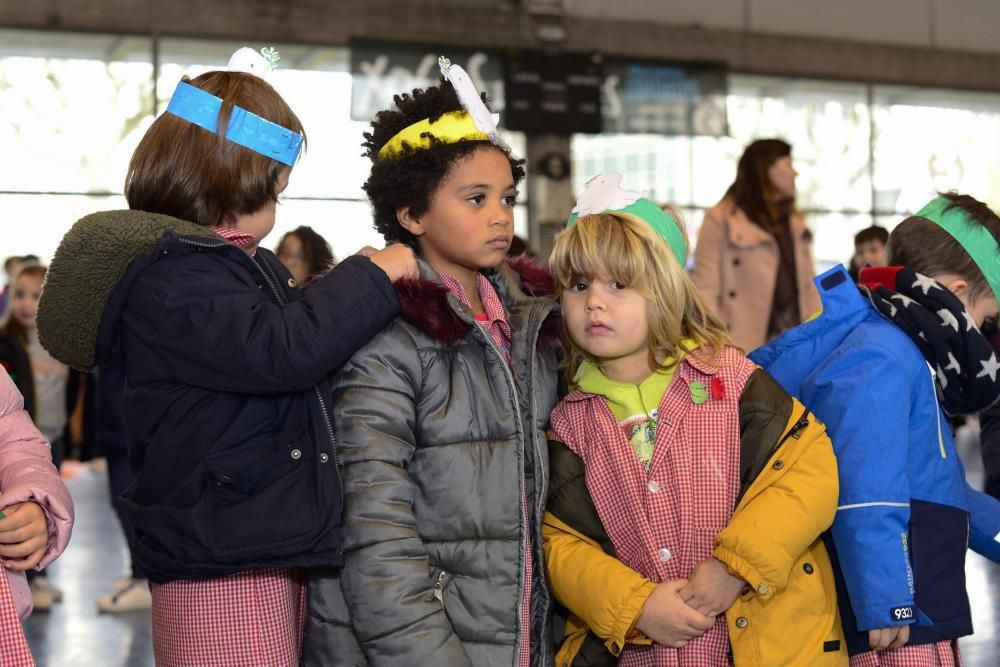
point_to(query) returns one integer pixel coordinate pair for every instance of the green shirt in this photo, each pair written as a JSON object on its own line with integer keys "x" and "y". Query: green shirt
{"x": 633, "y": 405}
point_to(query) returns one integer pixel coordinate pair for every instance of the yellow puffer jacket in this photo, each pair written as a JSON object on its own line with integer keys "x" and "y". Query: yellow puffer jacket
{"x": 787, "y": 614}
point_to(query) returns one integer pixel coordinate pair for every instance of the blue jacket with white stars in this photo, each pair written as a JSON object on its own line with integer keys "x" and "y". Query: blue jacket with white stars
{"x": 906, "y": 514}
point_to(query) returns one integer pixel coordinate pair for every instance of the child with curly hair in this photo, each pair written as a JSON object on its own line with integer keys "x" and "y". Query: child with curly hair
{"x": 440, "y": 417}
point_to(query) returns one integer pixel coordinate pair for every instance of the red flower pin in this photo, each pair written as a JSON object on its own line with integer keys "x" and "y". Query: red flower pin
{"x": 718, "y": 389}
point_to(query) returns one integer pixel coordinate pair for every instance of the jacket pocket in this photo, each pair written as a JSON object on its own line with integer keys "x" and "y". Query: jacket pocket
{"x": 250, "y": 486}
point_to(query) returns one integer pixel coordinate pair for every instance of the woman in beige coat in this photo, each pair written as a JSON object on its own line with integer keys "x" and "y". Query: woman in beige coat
{"x": 753, "y": 262}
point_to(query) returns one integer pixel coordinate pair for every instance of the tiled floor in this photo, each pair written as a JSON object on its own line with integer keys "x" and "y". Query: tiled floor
{"x": 73, "y": 634}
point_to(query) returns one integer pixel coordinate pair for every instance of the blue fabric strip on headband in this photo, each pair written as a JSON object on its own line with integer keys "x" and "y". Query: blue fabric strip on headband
{"x": 245, "y": 128}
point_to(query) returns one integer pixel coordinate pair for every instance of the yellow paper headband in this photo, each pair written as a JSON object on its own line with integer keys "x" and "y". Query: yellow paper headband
{"x": 450, "y": 128}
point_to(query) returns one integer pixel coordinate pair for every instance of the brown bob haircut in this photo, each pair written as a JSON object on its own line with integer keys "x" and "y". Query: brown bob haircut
{"x": 926, "y": 248}
{"x": 185, "y": 171}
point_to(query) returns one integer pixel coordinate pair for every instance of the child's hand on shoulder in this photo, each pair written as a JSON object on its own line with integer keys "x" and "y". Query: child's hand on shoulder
{"x": 711, "y": 589}
{"x": 667, "y": 620}
{"x": 24, "y": 534}
{"x": 397, "y": 261}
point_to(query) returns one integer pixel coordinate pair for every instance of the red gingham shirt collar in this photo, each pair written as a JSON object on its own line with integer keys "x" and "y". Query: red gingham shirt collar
{"x": 494, "y": 320}
{"x": 247, "y": 242}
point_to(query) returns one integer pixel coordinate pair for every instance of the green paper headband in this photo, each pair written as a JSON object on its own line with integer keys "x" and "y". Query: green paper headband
{"x": 655, "y": 217}
{"x": 973, "y": 237}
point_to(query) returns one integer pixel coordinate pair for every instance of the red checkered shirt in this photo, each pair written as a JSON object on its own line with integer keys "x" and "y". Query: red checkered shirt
{"x": 664, "y": 522}
{"x": 250, "y": 619}
{"x": 14, "y": 650}
{"x": 494, "y": 320}
{"x": 494, "y": 323}
{"x": 940, "y": 654}
{"x": 247, "y": 242}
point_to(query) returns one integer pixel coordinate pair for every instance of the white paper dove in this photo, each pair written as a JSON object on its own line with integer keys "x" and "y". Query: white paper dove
{"x": 253, "y": 62}
{"x": 469, "y": 97}
{"x": 604, "y": 193}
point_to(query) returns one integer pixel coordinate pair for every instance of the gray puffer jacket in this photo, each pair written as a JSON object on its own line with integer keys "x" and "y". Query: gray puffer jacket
{"x": 435, "y": 435}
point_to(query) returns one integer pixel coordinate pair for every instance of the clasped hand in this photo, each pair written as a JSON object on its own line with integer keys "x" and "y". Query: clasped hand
{"x": 678, "y": 611}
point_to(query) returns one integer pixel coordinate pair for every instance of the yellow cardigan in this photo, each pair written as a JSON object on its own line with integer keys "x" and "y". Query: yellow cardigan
{"x": 788, "y": 613}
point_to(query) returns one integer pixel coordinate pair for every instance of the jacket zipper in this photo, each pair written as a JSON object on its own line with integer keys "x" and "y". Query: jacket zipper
{"x": 520, "y": 429}
{"x": 439, "y": 587}
{"x": 543, "y": 485}
{"x": 273, "y": 284}
{"x": 937, "y": 413}
{"x": 794, "y": 432}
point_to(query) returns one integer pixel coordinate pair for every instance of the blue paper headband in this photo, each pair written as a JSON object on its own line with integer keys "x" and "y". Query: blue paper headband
{"x": 245, "y": 128}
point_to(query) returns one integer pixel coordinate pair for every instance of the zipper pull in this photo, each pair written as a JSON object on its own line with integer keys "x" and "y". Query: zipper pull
{"x": 439, "y": 587}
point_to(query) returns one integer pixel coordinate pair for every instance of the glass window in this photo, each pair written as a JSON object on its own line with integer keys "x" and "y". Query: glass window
{"x": 36, "y": 222}
{"x": 931, "y": 140}
{"x": 828, "y": 125}
{"x": 74, "y": 108}
{"x": 833, "y": 237}
{"x": 654, "y": 165}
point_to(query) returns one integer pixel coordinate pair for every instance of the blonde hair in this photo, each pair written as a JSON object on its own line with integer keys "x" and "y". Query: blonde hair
{"x": 628, "y": 250}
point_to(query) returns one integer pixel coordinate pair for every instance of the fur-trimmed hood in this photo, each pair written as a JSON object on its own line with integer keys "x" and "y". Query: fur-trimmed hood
{"x": 428, "y": 304}
{"x": 82, "y": 283}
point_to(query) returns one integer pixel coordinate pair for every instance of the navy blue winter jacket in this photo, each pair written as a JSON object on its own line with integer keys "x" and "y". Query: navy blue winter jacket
{"x": 227, "y": 402}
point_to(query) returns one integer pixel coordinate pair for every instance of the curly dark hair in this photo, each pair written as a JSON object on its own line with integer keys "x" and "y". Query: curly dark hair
{"x": 410, "y": 178}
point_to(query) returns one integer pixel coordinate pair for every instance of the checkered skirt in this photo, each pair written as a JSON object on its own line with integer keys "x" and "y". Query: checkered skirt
{"x": 941, "y": 654}
{"x": 14, "y": 651}
{"x": 250, "y": 619}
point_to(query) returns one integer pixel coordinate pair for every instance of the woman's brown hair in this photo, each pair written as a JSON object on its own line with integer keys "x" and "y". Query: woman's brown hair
{"x": 185, "y": 171}
{"x": 752, "y": 191}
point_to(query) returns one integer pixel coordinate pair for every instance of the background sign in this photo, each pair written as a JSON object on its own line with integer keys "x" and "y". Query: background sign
{"x": 380, "y": 70}
{"x": 538, "y": 92}
{"x": 658, "y": 98}
{"x": 552, "y": 93}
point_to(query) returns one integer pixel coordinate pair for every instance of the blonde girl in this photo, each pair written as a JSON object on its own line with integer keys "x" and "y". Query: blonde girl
{"x": 688, "y": 491}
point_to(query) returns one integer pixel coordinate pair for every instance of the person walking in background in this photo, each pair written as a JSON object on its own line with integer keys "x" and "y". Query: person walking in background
{"x": 305, "y": 254}
{"x": 753, "y": 262}
{"x": 130, "y": 593}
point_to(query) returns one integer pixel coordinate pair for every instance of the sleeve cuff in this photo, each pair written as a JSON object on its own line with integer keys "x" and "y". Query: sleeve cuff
{"x": 624, "y": 630}
{"x": 742, "y": 568}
